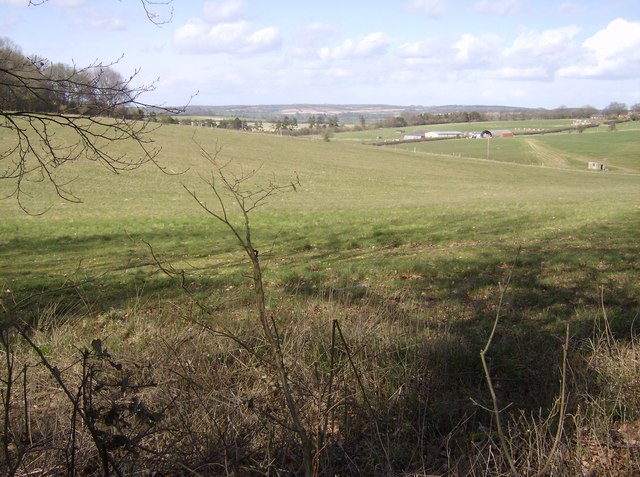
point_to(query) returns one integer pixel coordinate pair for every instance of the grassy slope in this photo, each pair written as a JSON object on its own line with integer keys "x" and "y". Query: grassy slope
{"x": 617, "y": 149}
{"x": 361, "y": 211}
{"x": 405, "y": 249}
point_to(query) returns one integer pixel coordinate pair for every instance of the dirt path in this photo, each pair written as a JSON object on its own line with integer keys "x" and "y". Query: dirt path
{"x": 549, "y": 156}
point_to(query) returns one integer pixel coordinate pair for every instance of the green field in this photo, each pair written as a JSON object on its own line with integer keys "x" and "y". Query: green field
{"x": 373, "y": 204}
{"x": 361, "y": 213}
{"x": 617, "y": 149}
{"x": 427, "y": 230}
{"x": 398, "y": 133}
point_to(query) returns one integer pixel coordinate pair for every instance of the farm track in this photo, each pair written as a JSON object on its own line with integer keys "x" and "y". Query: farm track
{"x": 551, "y": 157}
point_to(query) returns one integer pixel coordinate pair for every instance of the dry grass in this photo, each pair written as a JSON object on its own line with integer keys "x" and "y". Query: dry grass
{"x": 608, "y": 424}
{"x": 381, "y": 392}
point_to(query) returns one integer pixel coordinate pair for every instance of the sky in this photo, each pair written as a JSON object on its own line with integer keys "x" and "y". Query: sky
{"x": 403, "y": 52}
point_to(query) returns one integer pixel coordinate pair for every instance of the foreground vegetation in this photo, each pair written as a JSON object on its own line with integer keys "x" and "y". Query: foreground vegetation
{"x": 385, "y": 273}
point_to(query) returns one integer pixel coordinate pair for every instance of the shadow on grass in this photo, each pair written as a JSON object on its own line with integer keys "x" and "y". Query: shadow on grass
{"x": 94, "y": 273}
{"x": 573, "y": 280}
{"x": 446, "y": 302}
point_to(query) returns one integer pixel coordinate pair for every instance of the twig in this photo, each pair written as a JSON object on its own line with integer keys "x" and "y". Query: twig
{"x": 365, "y": 397}
{"x": 494, "y": 400}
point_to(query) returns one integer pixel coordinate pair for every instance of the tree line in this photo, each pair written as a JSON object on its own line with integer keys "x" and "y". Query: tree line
{"x": 224, "y": 123}
{"x": 320, "y": 122}
{"x": 94, "y": 104}
{"x": 421, "y": 119}
{"x": 285, "y": 125}
{"x": 614, "y": 110}
{"x": 37, "y": 85}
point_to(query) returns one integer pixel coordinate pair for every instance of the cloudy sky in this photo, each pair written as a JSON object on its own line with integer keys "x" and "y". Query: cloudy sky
{"x": 540, "y": 53}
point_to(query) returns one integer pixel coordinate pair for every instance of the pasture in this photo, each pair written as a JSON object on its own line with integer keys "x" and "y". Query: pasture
{"x": 568, "y": 150}
{"x": 406, "y": 246}
{"x": 398, "y": 133}
{"x": 352, "y": 201}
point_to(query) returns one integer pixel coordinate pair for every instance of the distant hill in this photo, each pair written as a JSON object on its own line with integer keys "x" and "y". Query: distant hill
{"x": 343, "y": 111}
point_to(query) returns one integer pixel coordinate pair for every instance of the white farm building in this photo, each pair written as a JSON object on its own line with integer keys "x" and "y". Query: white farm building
{"x": 444, "y": 134}
{"x": 416, "y": 135}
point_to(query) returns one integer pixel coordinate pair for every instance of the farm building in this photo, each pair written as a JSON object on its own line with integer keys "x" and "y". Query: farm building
{"x": 597, "y": 166}
{"x": 444, "y": 134}
{"x": 483, "y": 135}
{"x": 432, "y": 134}
{"x": 502, "y": 133}
{"x": 414, "y": 135}
{"x": 489, "y": 134}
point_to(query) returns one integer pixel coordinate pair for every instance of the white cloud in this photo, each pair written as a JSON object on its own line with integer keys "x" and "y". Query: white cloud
{"x": 224, "y": 11}
{"x": 104, "y": 23}
{"x": 429, "y": 48}
{"x": 534, "y": 56}
{"x": 466, "y": 51}
{"x": 403, "y": 77}
{"x": 224, "y": 28}
{"x": 97, "y": 19}
{"x": 190, "y": 32}
{"x": 315, "y": 32}
{"x": 17, "y": 3}
{"x": 338, "y": 73}
{"x": 525, "y": 73}
{"x": 475, "y": 49}
{"x": 618, "y": 37}
{"x": 371, "y": 45}
{"x": 198, "y": 36}
{"x": 612, "y": 52}
{"x": 499, "y": 7}
{"x": 224, "y": 35}
{"x": 547, "y": 46}
{"x": 262, "y": 40}
{"x": 431, "y": 8}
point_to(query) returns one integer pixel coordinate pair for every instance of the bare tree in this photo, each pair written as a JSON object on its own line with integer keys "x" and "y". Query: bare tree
{"x": 244, "y": 197}
{"x": 56, "y": 113}
{"x": 615, "y": 109}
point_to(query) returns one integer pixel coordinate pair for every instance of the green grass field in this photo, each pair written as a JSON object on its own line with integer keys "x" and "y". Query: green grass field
{"x": 617, "y": 149}
{"x": 360, "y": 209}
{"x": 398, "y": 133}
{"x": 422, "y": 237}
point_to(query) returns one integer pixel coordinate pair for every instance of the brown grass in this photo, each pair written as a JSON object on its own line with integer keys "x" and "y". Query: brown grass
{"x": 389, "y": 396}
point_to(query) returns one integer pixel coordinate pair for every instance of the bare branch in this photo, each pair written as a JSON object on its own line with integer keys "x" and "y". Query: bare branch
{"x": 240, "y": 188}
{"x": 150, "y": 8}
{"x": 154, "y": 16}
{"x": 58, "y": 114}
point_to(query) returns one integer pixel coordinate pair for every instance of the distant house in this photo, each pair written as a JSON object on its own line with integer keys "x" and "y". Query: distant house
{"x": 597, "y": 166}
